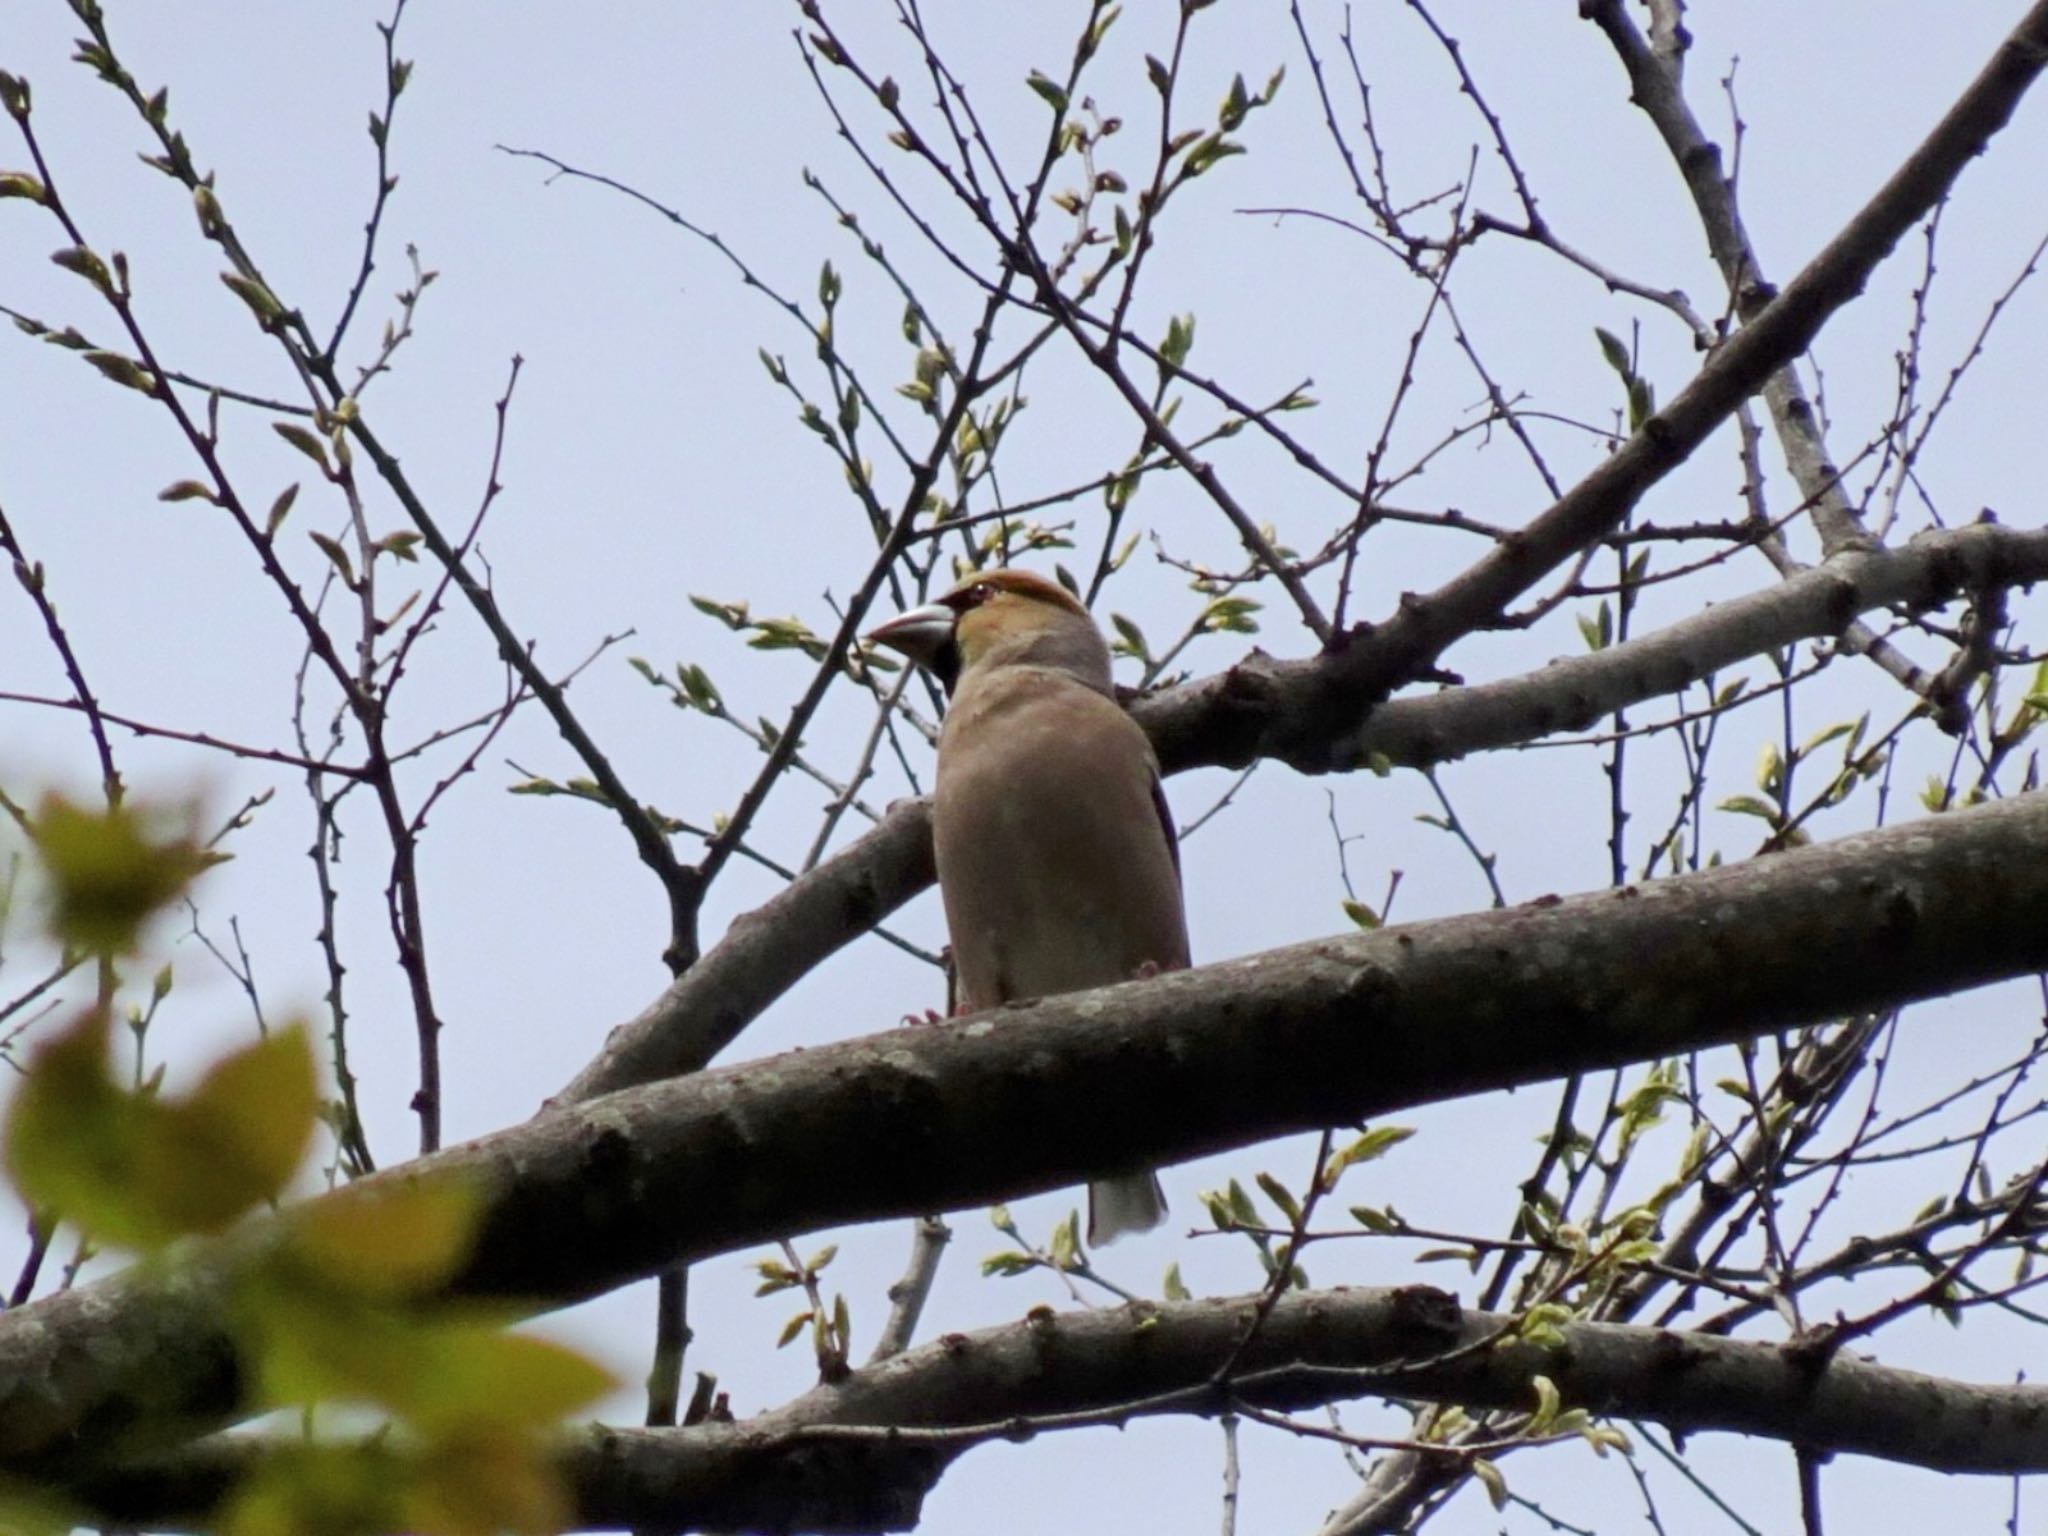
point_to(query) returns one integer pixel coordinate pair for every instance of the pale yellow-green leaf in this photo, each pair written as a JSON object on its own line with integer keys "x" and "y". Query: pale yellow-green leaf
{"x": 388, "y": 1240}
{"x": 1492, "y": 1480}
{"x": 109, "y": 870}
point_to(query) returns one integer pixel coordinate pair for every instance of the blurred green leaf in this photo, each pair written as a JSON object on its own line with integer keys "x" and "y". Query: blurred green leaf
{"x": 138, "y": 1169}
{"x": 110, "y": 870}
{"x": 387, "y": 1240}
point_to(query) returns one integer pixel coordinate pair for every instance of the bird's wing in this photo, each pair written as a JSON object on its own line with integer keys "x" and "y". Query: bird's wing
{"x": 1166, "y": 825}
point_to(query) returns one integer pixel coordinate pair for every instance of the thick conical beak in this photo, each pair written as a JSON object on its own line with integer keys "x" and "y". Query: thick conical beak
{"x": 923, "y": 634}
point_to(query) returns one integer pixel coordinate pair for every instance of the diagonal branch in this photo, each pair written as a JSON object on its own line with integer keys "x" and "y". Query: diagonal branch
{"x": 934, "y": 1118}
{"x": 1201, "y": 723}
{"x": 1409, "y": 643}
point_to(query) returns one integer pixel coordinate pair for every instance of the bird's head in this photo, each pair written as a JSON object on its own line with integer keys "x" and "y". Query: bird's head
{"x": 1001, "y": 618}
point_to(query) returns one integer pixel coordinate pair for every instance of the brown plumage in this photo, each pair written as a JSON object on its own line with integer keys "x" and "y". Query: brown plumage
{"x": 1056, "y": 852}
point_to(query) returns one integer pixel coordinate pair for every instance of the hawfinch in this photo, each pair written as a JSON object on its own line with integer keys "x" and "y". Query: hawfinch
{"x": 1056, "y": 851}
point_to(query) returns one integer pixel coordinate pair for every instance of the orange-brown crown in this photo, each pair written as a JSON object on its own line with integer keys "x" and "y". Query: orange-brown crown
{"x": 981, "y": 586}
{"x": 997, "y": 617}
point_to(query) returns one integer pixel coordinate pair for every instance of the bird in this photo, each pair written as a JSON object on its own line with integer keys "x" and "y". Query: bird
{"x": 1059, "y": 867}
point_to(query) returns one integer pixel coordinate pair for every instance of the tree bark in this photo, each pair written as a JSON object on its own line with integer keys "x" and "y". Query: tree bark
{"x": 860, "y": 1455}
{"x": 936, "y": 1117}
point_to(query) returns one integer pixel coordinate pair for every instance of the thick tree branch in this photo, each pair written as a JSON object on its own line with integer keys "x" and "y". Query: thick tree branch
{"x": 1190, "y": 725}
{"x": 934, "y": 1118}
{"x": 1320, "y": 713}
{"x": 1195, "y": 725}
{"x": 766, "y": 952}
{"x": 860, "y": 1455}
{"x": 1402, "y": 648}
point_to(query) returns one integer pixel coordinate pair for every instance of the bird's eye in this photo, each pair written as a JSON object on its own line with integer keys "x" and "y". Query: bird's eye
{"x": 976, "y": 595}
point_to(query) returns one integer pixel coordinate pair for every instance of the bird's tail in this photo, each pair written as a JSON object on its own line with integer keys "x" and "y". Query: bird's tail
{"x": 1131, "y": 1203}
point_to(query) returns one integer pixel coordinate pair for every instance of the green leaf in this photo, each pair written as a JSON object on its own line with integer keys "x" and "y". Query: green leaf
{"x": 261, "y": 301}
{"x": 478, "y": 1375}
{"x": 1049, "y": 90}
{"x": 1770, "y": 768}
{"x": 1469, "y": 1257}
{"x": 136, "y": 1169}
{"x": 1236, "y": 102}
{"x": 1374, "y": 1144}
{"x": 109, "y": 870}
{"x": 1374, "y": 1220}
{"x": 1281, "y": 1196}
{"x": 1066, "y": 1242}
{"x": 279, "y": 508}
{"x": 1492, "y": 1480}
{"x": 314, "y": 1487}
{"x": 387, "y": 1240}
{"x": 186, "y": 490}
{"x": 124, "y": 371}
{"x": 21, "y": 184}
{"x": 1093, "y": 40}
{"x": 474, "y": 1483}
{"x": 1174, "y": 1287}
{"x": 1207, "y": 152}
{"x": 1362, "y": 915}
{"x": 1549, "y": 1403}
{"x": 1834, "y": 732}
{"x": 1241, "y": 1206}
{"x": 306, "y": 442}
{"x": 1008, "y": 1263}
{"x": 1616, "y": 354}
{"x": 85, "y": 263}
{"x": 1749, "y": 805}
{"x": 1180, "y": 340}
{"x": 1231, "y": 616}
{"x": 698, "y": 688}
{"x": 337, "y": 556}
{"x": 444, "y": 1371}
{"x": 1642, "y": 402}
{"x": 1132, "y": 637}
{"x": 1543, "y": 1323}
{"x": 70, "y": 1142}
{"x": 1605, "y": 1437}
{"x": 236, "y": 1140}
